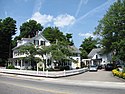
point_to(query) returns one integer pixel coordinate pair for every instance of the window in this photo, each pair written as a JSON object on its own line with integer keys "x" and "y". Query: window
{"x": 15, "y": 53}
{"x": 96, "y": 56}
{"x": 36, "y": 42}
{"x": 42, "y": 42}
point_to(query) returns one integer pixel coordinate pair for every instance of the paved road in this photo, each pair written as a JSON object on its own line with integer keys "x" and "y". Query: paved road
{"x": 101, "y": 75}
{"x": 16, "y": 85}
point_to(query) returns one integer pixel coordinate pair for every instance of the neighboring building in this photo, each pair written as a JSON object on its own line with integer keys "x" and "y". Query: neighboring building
{"x": 39, "y": 40}
{"x": 97, "y": 57}
{"x": 76, "y": 56}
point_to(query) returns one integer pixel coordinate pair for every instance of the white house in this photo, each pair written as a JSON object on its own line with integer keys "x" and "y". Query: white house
{"x": 97, "y": 57}
{"x": 40, "y": 40}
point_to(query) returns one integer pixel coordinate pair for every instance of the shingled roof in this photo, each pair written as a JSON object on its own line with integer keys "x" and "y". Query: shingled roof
{"x": 93, "y": 51}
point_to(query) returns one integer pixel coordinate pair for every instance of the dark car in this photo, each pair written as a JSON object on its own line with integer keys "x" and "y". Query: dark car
{"x": 99, "y": 67}
{"x": 109, "y": 67}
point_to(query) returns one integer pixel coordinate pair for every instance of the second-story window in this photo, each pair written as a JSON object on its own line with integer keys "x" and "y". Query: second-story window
{"x": 42, "y": 42}
{"x": 96, "y": 56}
{"x": 36, "y": 42}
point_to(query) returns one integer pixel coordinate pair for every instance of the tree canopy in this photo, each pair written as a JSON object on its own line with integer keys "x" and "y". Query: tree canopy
{"x": 7, "y": 30}
{"x": 30, "y": 29}
{"x": 87, "y": 45}
{"x": 53, "y": 34}
{"x": 111, "y": 29}
{"x": 30, "y": 51}
{"x": 59, "y": 51}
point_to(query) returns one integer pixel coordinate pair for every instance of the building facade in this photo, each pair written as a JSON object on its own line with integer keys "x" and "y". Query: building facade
{"x": 40, "y": 40}
{"x": 97, "y": 57}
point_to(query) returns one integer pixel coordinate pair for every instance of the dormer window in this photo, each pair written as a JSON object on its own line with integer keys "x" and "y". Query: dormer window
{"x": 96, "y": 56}
{"x": 36, "y": 42}
{"x": 42, "y": 43}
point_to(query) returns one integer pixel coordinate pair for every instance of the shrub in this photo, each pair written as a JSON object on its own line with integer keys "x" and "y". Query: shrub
{"x": 124, "y": 70}
{"x": 123, "y": 75}
{"x": 61, "y": 68}
{"x": 118, "y": 73}
{"x": 10, "y": 67}
{"x": 77, "y": 67}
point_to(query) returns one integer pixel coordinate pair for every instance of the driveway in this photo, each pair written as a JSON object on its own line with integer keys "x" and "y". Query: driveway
{"x": 100, "y": 75}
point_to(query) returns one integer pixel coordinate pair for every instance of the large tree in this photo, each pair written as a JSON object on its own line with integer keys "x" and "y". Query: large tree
{"x": 87, "y": 45}
{"x": 30, "y": 51}
{"x": 7, "y": 30}
{"x": 60, "y": 51}
{"x": 111, "y": 29}
{"x": 69, "y": 38}
{"x": 53, "y": 34}
{"x": 29, "y": 29}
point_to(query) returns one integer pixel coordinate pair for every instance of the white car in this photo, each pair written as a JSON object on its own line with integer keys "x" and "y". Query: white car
{"x": 93, "y": 68}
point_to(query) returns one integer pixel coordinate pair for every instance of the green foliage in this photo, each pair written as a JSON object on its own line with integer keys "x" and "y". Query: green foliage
{"x": 111, "y": 29}
{"x": 30, "y": 50}
{"x": 10, "y": 67}
{"x": 87, "y": 45}
{"x": 60, "y": 51}
{"x": 30, "y": 29}
{"x": 53, "y": 34}
{"x": 7, "y": 30}
{"x": 83, "y": 53}
{"x": 62, "y": 68}
{"x": 27, "y": 30}
{"x": 69, "y": 37}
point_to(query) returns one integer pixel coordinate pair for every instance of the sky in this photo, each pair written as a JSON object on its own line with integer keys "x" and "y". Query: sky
{"x": 78, "y": 17}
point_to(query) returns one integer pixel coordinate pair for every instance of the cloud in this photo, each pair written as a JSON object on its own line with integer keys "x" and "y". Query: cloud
{"x": 64, "y": 20}
{"x": 59, "y": 21}
{"x": 79, "y": 6}
{"x": 95, "y": 10}
{"x": 38, "y": 5}
{"x": 86, "y": 35}
{"x": 42, "y": 19}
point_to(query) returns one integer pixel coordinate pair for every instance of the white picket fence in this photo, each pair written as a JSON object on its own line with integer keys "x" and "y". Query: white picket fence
{"x": 53, "y": 74}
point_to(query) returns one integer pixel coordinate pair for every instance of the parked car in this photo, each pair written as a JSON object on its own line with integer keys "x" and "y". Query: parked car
{"x": 99, "y": 67}
{"x": 109, "y": 67}
{"x": 93, "y": 68}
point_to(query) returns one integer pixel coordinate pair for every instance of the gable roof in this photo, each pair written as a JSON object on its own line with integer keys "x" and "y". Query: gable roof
{"x": 40, "y": 36}
{"x": 30, "y": 40}
{"x": 94, "y": 51}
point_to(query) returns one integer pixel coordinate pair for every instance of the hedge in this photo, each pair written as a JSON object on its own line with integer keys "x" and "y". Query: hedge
{"x": 118, "y": 73}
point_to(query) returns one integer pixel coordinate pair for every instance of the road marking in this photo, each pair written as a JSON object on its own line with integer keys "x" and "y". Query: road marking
{"x": 39, "y": 89}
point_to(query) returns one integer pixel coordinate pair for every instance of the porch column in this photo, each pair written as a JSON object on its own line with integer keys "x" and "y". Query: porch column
{"x": 46, "y": 60}
{"x": 17, "y": 63}
{"x": 21, "y": 64}
{"x": 92, "y": 62}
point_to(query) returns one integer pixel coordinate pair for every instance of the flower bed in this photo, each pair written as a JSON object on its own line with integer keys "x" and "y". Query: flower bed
{"x": 118, "y": 73}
